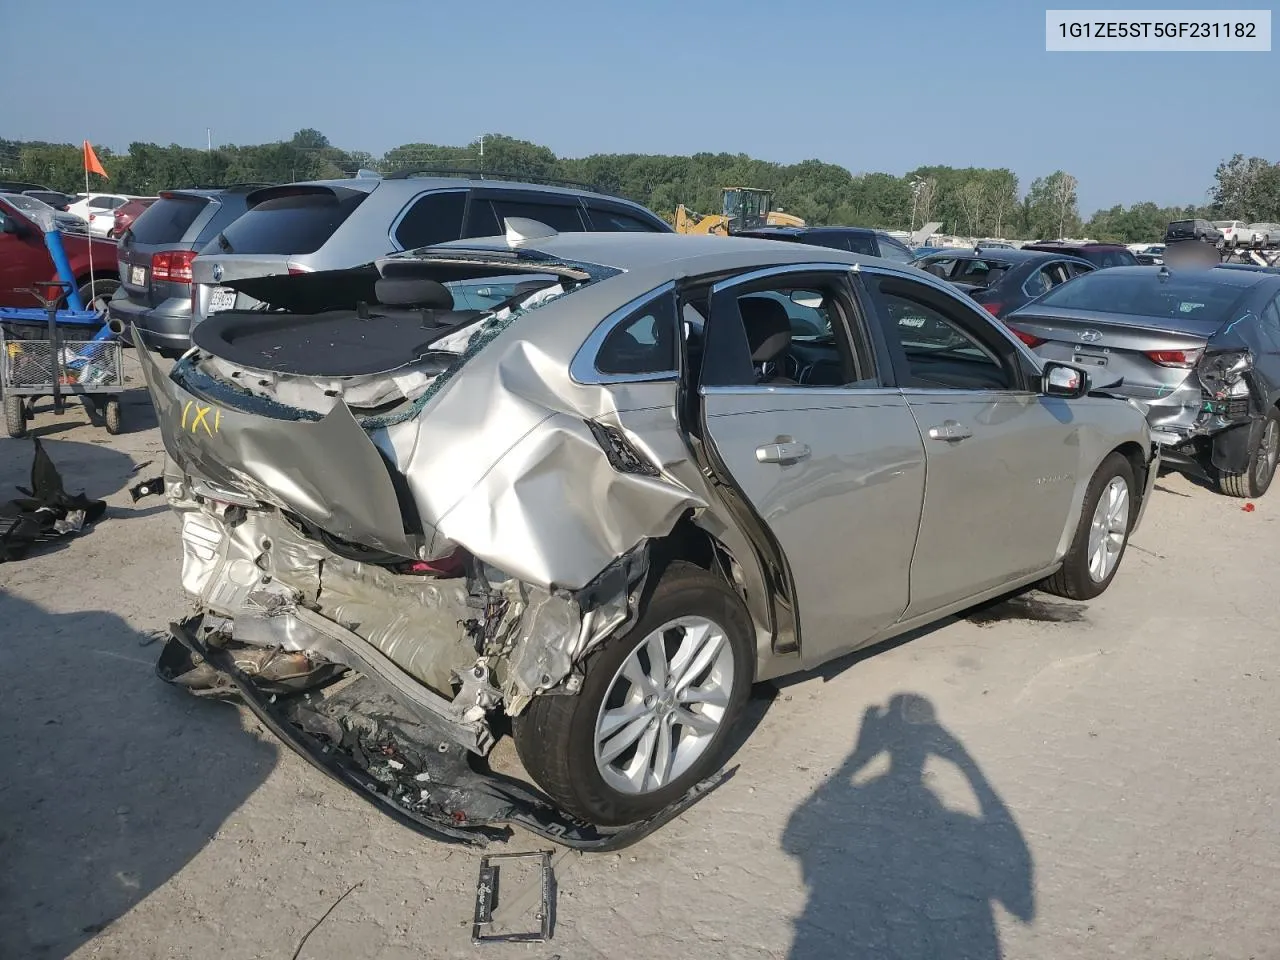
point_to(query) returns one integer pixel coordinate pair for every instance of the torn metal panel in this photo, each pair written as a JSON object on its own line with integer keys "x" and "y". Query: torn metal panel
{"x": 325, "y": 470}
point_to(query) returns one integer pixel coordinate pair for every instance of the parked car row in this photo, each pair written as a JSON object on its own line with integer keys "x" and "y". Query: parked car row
{"x": 1225, "y": 233}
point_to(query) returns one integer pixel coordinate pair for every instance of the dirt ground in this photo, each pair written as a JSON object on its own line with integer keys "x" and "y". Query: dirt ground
{"x": 1041, "y": 780}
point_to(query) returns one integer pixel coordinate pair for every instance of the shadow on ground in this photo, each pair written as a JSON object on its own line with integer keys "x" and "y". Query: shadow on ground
{"x": 109, "y": 788}
{"x": 891, "y": 869}
{"x": 96, "y": 469}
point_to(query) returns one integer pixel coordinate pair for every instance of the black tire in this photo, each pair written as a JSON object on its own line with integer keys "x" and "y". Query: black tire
{"x": 112, "y": 417}
{"x": 15, "y": 417}
{"x": 1073, "y": 580}
{"x": 1256, "y": 479}
{"x": 555, "y": 735}
{"x": 101, "y": 291}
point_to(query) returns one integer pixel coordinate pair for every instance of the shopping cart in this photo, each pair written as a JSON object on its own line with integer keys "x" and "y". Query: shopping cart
{"x": 55, "y": 353}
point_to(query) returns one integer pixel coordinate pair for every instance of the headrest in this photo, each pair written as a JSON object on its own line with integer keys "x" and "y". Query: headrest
{"x": 413, "y": 292}
{"x": 767, "y": 326}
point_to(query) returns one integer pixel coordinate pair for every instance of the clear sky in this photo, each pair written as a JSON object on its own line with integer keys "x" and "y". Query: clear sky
{"x": 886, "y": 85}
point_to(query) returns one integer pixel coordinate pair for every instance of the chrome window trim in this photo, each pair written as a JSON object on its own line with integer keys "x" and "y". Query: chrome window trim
{"x": 799, "y": 391}
{"x": 781, "y": 269}
{"x": 404, "y": 211}
{"x": 582, "y": 369}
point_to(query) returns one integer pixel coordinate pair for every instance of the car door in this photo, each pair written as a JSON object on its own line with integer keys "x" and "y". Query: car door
{"x": 23, "y": 258}
{"x": 1001, "y": 459}
{"x": 809, "y": 431}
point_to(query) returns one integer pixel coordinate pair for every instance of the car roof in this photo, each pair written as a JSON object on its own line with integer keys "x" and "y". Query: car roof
{"x": 781, "y": 231}
{"x": 1068, "y": 245}
{"x": 1000, "y": 253}
{"x": 1227, "y": 278}
{"x": 635, "y": 251}
{"x": 420, "y": 184}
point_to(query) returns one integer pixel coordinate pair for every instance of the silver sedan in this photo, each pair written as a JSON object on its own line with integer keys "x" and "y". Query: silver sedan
{"x": 667, "y": 468}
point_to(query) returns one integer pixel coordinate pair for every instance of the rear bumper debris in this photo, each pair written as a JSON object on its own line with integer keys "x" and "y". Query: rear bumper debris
{"x": 408, "y": 766}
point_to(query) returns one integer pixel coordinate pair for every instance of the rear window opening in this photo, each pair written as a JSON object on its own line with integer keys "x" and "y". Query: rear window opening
{"x": 975, "y": 273}
{"x": 168, "y": 219}
{"x": 298, "y": 221}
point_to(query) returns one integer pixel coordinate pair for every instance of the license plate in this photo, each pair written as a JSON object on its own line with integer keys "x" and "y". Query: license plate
{"x": 138, "y": 276}
{"x": 1091, "y": 359}
{"x": 222, "y": 298}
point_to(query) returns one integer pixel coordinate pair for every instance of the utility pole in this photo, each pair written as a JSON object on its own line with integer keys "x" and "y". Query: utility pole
{"x": 208, "y": 139}
{"x": 482, "y": 156}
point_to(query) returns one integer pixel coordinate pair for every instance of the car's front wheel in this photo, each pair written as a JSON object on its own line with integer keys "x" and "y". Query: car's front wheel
{"x": 1256, "y": 478}
{"x": 1110, "y": 506}
{"x": 655, "y": 709}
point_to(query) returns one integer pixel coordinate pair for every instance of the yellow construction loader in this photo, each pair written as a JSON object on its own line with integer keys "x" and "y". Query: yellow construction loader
{"x": 744, "y": 208}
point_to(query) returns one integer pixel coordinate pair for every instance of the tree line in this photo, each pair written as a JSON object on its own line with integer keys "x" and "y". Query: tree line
{"x": 969, "y": 201}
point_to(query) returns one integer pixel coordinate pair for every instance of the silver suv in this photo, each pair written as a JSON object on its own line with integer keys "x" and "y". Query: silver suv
{"x": 336, "y": 224}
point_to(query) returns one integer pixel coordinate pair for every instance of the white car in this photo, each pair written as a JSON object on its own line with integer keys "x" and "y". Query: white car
{"x": 1235, "y": 233}
{"x": 98, "y": 210}
{"x": 1265, "y": 234}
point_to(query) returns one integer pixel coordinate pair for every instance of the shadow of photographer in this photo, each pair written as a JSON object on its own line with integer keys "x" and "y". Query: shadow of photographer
{"x": 892, "y": 870}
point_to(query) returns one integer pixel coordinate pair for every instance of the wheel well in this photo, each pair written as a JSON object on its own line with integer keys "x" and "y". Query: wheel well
{"x": 1137, "y": 458}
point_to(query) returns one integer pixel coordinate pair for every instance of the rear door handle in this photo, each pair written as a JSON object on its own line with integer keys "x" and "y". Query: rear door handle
{"x": 782, "y": 451}
{"x": 952, "y": 431}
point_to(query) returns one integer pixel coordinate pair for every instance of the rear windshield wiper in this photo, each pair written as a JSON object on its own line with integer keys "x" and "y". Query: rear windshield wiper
{"x": 224, "y": 244}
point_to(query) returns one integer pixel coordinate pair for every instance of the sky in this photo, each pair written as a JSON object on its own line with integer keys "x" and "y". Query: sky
{"x": 873, "y": 85}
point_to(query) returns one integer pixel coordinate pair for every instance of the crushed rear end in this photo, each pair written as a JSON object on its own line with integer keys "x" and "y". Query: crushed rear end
{"x": 378, "y": 548}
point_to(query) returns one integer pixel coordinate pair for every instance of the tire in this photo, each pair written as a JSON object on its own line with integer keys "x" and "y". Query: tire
{"x": 15, "y": 417}
{"x": 102, "y": 291}
{"x": 556, "y": 735}
{"x": 1256, "y": 478}
{"x": 1074, "y": 580}
{"x": 112, "y": 418}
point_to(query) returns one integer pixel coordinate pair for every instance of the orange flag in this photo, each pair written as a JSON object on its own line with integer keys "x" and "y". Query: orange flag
{"x": 91, "y": 164}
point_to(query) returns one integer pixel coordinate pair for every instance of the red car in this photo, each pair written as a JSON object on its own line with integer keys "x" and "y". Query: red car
{"x": 25, "y": 260}
{"x": 129, "y": 212}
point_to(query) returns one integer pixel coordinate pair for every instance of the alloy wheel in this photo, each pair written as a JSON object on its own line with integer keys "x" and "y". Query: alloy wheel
{"x": 1108, "y": 530}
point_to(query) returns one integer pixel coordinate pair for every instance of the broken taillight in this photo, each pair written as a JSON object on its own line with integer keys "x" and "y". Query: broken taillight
{"x": 993, "y": 308}
{"x": 1184, "y": 359}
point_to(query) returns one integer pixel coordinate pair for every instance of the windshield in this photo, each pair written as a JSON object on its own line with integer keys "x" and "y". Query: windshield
{"x": 1146, "y": 294}
{"x": 168, "y": 219}
{"x": 975, "y": 272}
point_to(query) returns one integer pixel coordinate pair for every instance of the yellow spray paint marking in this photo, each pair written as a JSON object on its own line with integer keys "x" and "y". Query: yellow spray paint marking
{"x": 217, "y": 421}
{"x": 185, "y": 410}
{"x": 200, "y": 421}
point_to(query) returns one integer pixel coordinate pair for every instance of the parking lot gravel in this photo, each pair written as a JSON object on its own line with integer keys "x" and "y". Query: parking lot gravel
{"x": 1037, "y": 779}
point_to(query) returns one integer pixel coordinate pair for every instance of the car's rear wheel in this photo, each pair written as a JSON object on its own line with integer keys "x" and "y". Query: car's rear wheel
{"x": 1256, "y": 478}
{"x": 95, "y": 295}
{"x": 1110, "y": 506}
{"x": 655, "y": 709}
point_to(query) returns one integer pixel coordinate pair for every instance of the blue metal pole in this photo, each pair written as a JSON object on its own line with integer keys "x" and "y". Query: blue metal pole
{"x": 53, "y": 240}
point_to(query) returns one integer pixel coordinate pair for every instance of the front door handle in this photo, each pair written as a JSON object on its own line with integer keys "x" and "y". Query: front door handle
{"x": 782, "y": 450}
{"x": 953, "y": 431}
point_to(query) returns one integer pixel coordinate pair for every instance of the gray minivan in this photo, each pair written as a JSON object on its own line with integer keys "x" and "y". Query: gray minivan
{"x": 338, "y": 224}
{"x": 155, "y": 256}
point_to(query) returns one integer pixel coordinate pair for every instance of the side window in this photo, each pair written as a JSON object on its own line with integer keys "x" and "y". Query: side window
{"x": 1077, "y": 269}
{"x": 890, "y": 249}
{"x": 1038, "y": 283}
{"x": 566, "y": 218}
{"x": 99, "y": 203}
{"x": 1058, "y": 273}
{"x": 945, "y": 347}
{"x": 863, "y": 243}
{"x": 1271, "y": 321}
{"x": 435, "y": 218}
{"x": 606, "y": 220}
{"x": 643, "y": 342}
{"x": 795, "y": 330}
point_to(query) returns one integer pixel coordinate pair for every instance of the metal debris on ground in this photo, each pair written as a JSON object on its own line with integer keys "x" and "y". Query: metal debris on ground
{"x": 146, "y": 488}
{"x": 45, "y": 511}
{"x": 488, "y": 897}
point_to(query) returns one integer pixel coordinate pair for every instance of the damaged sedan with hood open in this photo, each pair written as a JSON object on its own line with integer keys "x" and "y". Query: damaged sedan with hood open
{"x": 593, "y": 516}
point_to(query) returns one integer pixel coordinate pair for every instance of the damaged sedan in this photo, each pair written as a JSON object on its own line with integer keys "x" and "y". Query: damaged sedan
{"x": 591, "y": 517}
{"x": 1198, "y": 345}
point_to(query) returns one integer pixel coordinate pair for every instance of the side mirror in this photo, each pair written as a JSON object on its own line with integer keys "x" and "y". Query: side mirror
{"x": 1063, "y": 380}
